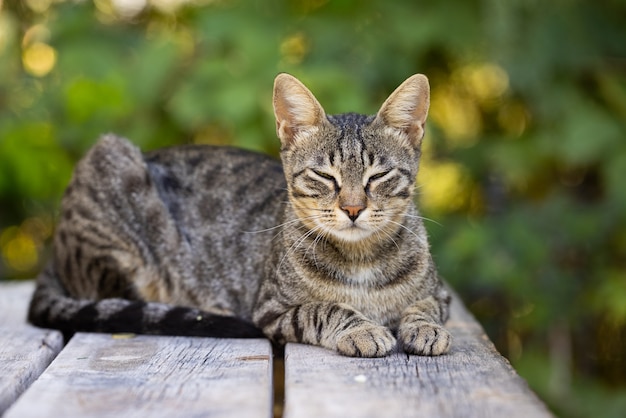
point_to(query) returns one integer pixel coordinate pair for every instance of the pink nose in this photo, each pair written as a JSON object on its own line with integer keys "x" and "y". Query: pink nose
{"x": 353, "y": 211}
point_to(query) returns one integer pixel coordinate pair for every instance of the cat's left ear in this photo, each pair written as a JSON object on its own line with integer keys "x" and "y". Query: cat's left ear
{"x": 406, "y": 108}
{"x": 295, "y": 108}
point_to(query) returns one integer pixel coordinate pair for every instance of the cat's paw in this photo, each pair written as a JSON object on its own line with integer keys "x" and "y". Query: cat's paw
{"x": 366, "y": 340}
{"x": 425, "y": 339}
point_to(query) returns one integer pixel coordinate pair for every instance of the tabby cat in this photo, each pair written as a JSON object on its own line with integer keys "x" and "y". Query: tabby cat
{"x": 327, "y": 249}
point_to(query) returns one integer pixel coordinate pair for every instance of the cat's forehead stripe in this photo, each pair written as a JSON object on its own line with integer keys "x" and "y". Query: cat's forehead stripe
{"x": 351, "y": 143}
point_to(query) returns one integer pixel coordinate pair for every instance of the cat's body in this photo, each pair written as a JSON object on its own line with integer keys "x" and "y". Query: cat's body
{"x": 222, "y": 242}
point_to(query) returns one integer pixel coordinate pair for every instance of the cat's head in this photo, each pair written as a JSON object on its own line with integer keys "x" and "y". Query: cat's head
{"x": 351, "y": 176}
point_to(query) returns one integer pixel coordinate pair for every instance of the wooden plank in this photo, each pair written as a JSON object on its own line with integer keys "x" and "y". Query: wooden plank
{"x": 473, "y": 380}
{"x": 25, "y": 351}
{"x": 99, "y": 375}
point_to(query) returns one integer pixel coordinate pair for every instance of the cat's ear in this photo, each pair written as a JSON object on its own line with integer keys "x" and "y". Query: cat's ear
{"x": 406, "y": 108}
{"x": 295, "y": 108}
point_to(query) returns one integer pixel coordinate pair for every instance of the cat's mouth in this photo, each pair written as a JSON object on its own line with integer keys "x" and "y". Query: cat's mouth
{"x": 352, "y": 232}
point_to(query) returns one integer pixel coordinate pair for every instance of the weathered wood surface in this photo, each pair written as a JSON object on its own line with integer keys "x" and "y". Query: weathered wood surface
{"x": 99, "y": 375}
{"x": 146, "y": 376}
{"x": 474, "y": 380}
{"x": 24, "y": 355}
{"x": 25, "y": 351}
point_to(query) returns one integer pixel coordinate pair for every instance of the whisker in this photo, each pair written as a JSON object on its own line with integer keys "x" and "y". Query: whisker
{"x": 284, "y": 224}
{"x": 379, "y": 231}
{"x": 297, "y": 244}
{"x": 314, "y": 245}
{"x": 422, "y": 218}
{"x": 317, "y": 209}
{"x": 381, "y": 212}
{"x": 406, "y": 228}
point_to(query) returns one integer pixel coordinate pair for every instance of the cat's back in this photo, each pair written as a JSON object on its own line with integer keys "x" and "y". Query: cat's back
{"x": 221, "y": 183}
{"x": 226, "y": 202}
{"x": 212, "y": 183}
{"x": 200, "y": 212}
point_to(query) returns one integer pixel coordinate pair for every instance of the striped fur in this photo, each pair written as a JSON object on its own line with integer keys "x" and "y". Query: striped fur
{"x": 328, "y": 249}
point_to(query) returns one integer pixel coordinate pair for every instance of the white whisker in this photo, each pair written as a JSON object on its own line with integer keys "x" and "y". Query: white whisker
{"x": 294, "y": 247}
{"x": 422, "y": 218}
{"x": 283, "y": 224}
{"x": 379, "y": 231}
{"x": 407, "y": 229}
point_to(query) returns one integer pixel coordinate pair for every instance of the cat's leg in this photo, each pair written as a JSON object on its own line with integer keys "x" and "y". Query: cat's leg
{"x": 335, "y": 326}
{"x": 421, "y": 331}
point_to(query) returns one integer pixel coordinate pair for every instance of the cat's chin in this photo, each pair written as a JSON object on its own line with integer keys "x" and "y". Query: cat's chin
{"x": 352, "y": 234}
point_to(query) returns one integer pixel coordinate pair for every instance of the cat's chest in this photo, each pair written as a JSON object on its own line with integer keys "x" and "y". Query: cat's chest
{"x": 364, "y": 289}
{"x": 362, "y": 277}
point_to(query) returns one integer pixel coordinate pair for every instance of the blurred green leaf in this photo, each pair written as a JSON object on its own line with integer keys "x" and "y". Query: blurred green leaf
{"x": 588, "y": 133}
{"x": 31, "y": 164}
{"x": 90, "y": 99}
{"x": 610, "y": 297}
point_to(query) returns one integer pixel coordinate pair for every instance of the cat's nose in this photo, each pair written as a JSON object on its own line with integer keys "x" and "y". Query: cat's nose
{"x": 353, "y": 211}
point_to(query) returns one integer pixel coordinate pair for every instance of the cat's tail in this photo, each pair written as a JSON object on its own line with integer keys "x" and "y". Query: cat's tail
{"x": 52, "y": 307}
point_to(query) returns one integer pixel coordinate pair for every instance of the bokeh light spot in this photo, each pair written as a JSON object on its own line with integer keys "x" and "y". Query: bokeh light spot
{"x": 39, "y": 59}
{"x": 294, "y": 48}
{"x": 484, "y": 81}
{"x": 457, "y": 116}
{"x": 128, "y": 9}
{"x": 443, "y": 187}
{"x": 19, "y": 250}
{"x": 38, "y": 6}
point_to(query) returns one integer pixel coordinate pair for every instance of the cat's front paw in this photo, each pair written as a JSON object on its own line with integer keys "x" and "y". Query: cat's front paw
{"x": 425, "y": 339}
{"x": 366, "y": 340}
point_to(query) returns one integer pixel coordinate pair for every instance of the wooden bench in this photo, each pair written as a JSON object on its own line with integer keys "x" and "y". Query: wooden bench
{"x": 98, "y": 375}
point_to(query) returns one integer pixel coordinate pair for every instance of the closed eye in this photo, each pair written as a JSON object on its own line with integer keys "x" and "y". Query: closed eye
{"x": 377, "y": 176}
{"x": 324, "y": 175}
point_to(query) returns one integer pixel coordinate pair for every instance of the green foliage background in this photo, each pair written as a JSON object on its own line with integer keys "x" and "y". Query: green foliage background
{"x": 525, "y": 154}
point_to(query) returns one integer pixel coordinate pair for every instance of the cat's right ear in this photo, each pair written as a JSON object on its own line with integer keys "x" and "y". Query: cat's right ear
{"x": 296, "y": 109}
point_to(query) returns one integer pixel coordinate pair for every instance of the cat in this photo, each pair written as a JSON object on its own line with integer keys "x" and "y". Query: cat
{"x": 327, "y": 249}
